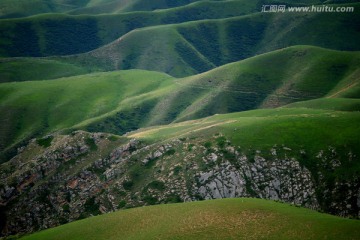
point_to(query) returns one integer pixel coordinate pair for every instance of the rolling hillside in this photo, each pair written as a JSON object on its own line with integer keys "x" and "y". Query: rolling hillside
{"x": 93, "y": 102}
{"x": 61, "y": 34}
{"x": 110, "y": 105}
{"x": 30, "y": 69}
{"x": 40, "y": 107}
{"x": 21, "y": 8}
{"x": 219, "y": 219}
{"x": 195, "y": 47}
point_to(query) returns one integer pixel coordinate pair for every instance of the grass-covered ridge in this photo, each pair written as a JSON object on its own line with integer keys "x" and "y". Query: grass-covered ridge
{"x": 36, "y": 108}
{"x": 296, "y": 128}
{"x": 21, "y": 8}
{"x": 62, "y": 34}
{"x": 192, "y": 47}
{"x": 122, "y": 101}
{"x": 216, "y": 219}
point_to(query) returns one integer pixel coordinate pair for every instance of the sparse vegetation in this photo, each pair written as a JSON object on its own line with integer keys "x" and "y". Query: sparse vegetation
{"x": 157, "y": 185}
{"x": 45, "y": 142}
{"x": 91, "y": 143}
{"x": 128, "y": 185}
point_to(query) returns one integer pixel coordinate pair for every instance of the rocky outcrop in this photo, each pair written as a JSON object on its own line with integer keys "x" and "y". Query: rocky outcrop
{"x": 87, "y": 174}
{"x": 283, "y": 180}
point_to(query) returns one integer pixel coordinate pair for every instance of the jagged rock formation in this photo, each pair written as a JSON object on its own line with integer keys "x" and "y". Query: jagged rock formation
{"x": 64, "y": 178}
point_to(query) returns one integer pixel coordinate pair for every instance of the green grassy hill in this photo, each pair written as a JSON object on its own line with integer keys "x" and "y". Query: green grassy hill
{"x": 254, "y": 83}
{"x": 193, "y": 47}
{"x": 29, "y": 69}
{"x": 296, "y": 126}
{"x": 217, "y": 219}
{"x": 129, "y": 6}
{"x": 37, "y": 108}
{"x": 21, "y": 8}
{"x": 61, "y": 34}
{"x": 116, "y": 104}
{"x": 122, "y": 101}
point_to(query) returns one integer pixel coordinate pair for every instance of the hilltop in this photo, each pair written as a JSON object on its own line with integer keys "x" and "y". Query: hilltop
{"x": 218, "y": 219}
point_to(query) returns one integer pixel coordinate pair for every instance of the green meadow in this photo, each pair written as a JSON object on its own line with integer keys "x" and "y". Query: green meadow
{"x": 216, "y": 219}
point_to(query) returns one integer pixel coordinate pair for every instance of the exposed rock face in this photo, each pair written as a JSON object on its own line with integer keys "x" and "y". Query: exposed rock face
{"x": 88, "y": 174}
{"x": 281, "y": 180}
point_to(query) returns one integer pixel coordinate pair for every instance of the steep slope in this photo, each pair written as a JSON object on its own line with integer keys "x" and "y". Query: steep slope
{"x": 255, "y": 83}
{"x": 37, "y": 108}
{"x": 111, "y": 102}
{"x": 189, "y": 48}
{"x": 60, "y": 34}
{"x": 281, "y": 154}
{"x": 220, "y": 219}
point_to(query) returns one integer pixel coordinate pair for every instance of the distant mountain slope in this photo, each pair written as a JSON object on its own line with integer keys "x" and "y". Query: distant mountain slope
{"x": 123, "y": 101}
{"x": 21, "y": 8}
{"x": 61, "y": 34}
{"x": 129, "y": 6}
{"x": 190, "y": 48}
{"x": 180, "y": 49}
{"x": 29, "y": 69}
{"x": 219, "y": 219}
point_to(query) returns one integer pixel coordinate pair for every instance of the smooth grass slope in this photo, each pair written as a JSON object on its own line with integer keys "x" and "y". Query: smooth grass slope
{"x": 29, "y": 69}
{"x": 61, "y": 34}
{"x": 198, "y": 46}
{"x": 179, "y": 49}
{"x": 123, "y": 101}
{"x": 306, "y": 73}
{"x": 39, "y": 107}
{"x": 215, "y": 219}
{"x": 22, "y": 8}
